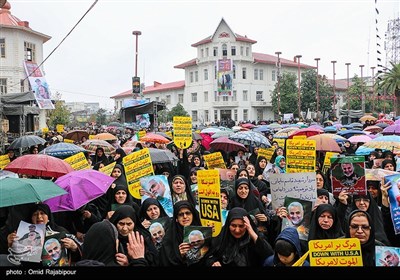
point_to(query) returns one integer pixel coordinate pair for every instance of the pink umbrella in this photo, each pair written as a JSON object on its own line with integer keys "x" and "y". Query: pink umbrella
{"x": 82, "y": 186}
{"x": 360, "y": 139}
{"x": 226, "y": 144}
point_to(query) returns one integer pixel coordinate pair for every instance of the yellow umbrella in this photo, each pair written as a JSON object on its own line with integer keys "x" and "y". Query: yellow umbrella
{"x": 367, "y": 118}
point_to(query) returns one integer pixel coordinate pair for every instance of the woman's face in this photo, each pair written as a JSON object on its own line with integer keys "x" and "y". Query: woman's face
{"x": 120, "y": 196}
{"x": 320, "y": 181}
{"x": 282, "y": 163}
{"x": 279, "y": 152}
{"x": 116, "y": 173}
{"x": 262, "y": 163}
{"x": 252, "y": 171}
{"x": 242, "y": 174}
{"x": 125, "y": 226}
{"x": 193, "y": 177}
{"x": 153, "y": 212}
{"x": 325, "y": 220}
{"x": 237, "y": 228}
{"x": 40, "y": 217}
{"x": 184, "y": 217}
{"x": 178, "y": 186}
{"x": 360, "y": 228}
{"x": 389, "y": 166}
{"x": 243, "y": 191}
{"x": 224, "y": 200}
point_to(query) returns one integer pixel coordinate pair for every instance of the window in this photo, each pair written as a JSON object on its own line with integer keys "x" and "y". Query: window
{"x": 255, "y": 74}
{"x": 245, "y": 97}
{"x": 241, "y": 50}
{"x": 235, "y": 115}
{"x": 224, "y": 50}
{"x": 206, "y": 96}
{"x": 234, "y": 71}
{"x": 3, "y": 86}
{"x": 191, "y": 77}
{"x": 273, "y": 77}
{"x": 233, "y": 50}
{"x": 205, "y": 74}
{"x": 168, "y": 101}
{"x": 180, "y": 98}
{"x": 247, "y": 51}
{"x": 202, "y": 52}
{"x": 30, "y": 51}
{"x": 194, "y": 116}
{"x": 194, "y": 96}
{"x": 215, "y": 51}
{"x": 215, "y": 72}
{"x": 245, "y": 114}
{"x": 216, "y": 96}
{"x": 22, "y": 85}
{"x": 259, "y": 96}
{"x": 225, "y": 98}
{"x": 244, "y": 73}
{"x": 196, "y": 76}
{"x": 206, "y": 116}
{"x": 215, "y": 115}
{"x": 260, "y": 115}
{"x": 234, "y": 95}
{"x": 207, "y": 52}
{"x": 2, "y": 47}
{"x": 261, "y": 74}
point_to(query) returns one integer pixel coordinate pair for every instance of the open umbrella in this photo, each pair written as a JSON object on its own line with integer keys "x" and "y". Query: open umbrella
{"x": 16, "y": 191}
{"x": 226, "y": 144}
{"x": 39, "y": 165}
{"x": 81, "y": 186}
{"x": 393, "y": 129}
{"x": 106, "y": 136}
{"x": 387, "y": 142}
{"x": 359, "y": 139}
{"x": 325, "y": 143}
{"x": 306, "y": 131}
{"x": 350, "y": 132}
{"x": 161, "y": 155}
{"x": 164, "y": 135}
{"x": 251, "y": 138}
{"x": 373, "y": 129}
{"x": 62, "y": 150}
{"x": 8, "y": 174}
{"x": 26, "y": 141}
{"x": 76, "y": 135}
{"x": 222, "y": 133}
{"x": 367, "y": 118}
{"x": 92, "y": 144}
{"x": 154, "y": 138}
{"x": 286, "y": 132}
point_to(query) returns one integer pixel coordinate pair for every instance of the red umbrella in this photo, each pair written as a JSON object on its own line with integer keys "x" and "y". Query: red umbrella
{"x": 39, "y": 165}
{"x": 325, "y": 143}
{"x": 226, "y": 144}
{"x": 154, "y": 138}
{"x": 306, "y": 131}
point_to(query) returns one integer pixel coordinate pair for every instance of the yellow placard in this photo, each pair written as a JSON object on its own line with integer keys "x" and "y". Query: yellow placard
{"x": 335, "y": 252}
{"x": 327, "y": 160}
{"x": 45, "y": 130}
{"x": 4, "y": 160}
{"x": 141, "y": 133}
{"x": 281, "y": 142}
{"x": 78, "y": 161}
{"x": 182, "y": 132}
{"x": 266, "y": 152}
{"x": 208, "y": 183}
{"x": 301, "y": 155}
{"x": 137, "y": 165}
{"x": 68, "y": 141}
{"x": 214, "y": 160}
{"x": 91, "y": 136}
{"x": 301, "y": 137}
{"x": 108, "y": 168}
{"x": 60, "y": 128}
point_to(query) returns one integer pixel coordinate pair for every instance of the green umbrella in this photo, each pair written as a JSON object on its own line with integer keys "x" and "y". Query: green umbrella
{"x": 15, "y": 191}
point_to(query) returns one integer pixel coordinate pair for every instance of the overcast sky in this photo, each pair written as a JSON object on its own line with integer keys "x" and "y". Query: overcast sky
{"x": 97, "y": 60}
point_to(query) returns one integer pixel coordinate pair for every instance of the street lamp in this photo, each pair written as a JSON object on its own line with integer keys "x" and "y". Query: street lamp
{"x": 317, "y": 59}
{"x": 348, "y": 93}
{"x": 298, "y": 94}
{"x": 373, "y": 88}
{"x": 334, "y": 88}
{"x": 279, "y": 84}
{"x": 136, "y": 33}
{"x": 136, "y": 79}
{"x": 362, "y": 90}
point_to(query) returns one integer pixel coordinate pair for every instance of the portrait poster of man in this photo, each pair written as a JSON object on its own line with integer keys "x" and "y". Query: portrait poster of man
{"x": 199, "y": 238}
{"x": 348, "y": 173}
{"x": 54, "y": 253}
{"x": 157, "y": 230}
{"x": 143, "y": 120}
{"x": 387, "y": 256}
{"x": 157, "y": 186}
{"x": 194, "y": 189}
{"x": 225, "y": 74}
{"x": 28, "y": 246}
{"x": 394, "y": 200}
{"x": 299, "y": 215}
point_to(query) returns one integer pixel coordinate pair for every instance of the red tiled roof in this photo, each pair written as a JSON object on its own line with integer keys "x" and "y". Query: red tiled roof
{"x": 272, "y": 59}
{"x": 186, "y": 64}
{"x": 156, "y": 87}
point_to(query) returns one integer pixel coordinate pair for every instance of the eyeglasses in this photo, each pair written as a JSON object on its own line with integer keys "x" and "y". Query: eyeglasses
{"x": 363, "y": 227}
{"x": 358, "y": 200}
{"x": 187, "y": 213}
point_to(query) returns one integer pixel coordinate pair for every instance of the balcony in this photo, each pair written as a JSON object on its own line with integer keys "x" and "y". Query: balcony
{"x": 260, "y": 104}
{"x": 225, "y": 104}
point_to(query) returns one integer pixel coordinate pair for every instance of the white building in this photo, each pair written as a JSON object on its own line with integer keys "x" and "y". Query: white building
{"x": 254, "y": 79}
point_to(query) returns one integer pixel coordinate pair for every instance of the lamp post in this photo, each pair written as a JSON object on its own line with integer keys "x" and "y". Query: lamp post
{"x": 373, "y": 88}
{"x": 317, "y": 59}
{"x": 136, "y": 79}
{"x": 362, "y": 91}
{"x": 334, "y": 88}
{"x": 279, "y": 84}
{"x": 298, "y": 93}
{"x": 348, "y": 93}
{"x": 136, "y": 33}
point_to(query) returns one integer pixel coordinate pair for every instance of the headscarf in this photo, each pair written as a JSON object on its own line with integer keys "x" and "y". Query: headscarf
{"x": 187, "y": 195}
{"x": 316, "y": 232}
{"x": 277, "y": 165}
{"x": 146, "y": 204}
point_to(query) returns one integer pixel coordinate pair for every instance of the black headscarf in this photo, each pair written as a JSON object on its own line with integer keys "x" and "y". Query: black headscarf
{"x": 189, "y": 196}
{"x": 146, "y": 204}
{"x": 250, "y": 203}
{"x": 316, "y": 232}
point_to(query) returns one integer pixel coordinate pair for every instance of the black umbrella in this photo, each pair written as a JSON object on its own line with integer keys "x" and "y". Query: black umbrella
{"x": 26, "y": 141}
{"x": 160, "y": 156}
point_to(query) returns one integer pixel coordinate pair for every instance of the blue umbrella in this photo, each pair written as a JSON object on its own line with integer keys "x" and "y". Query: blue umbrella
{"x": 348, "y": 133}
{"x": 62, "y": 150}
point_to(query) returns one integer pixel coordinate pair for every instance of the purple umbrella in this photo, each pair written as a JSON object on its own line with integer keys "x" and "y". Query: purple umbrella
{"x": 82, "y": 186}
{"x": 393, "y": 129}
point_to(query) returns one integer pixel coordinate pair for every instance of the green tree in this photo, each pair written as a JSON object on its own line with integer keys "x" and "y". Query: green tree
{"x": 60, "y": 115}
{"x": 389, "y": 82}
{"x": 288, "y": 90}
{"x": 101, "y": 117}
{"x": 178, "y": 110}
